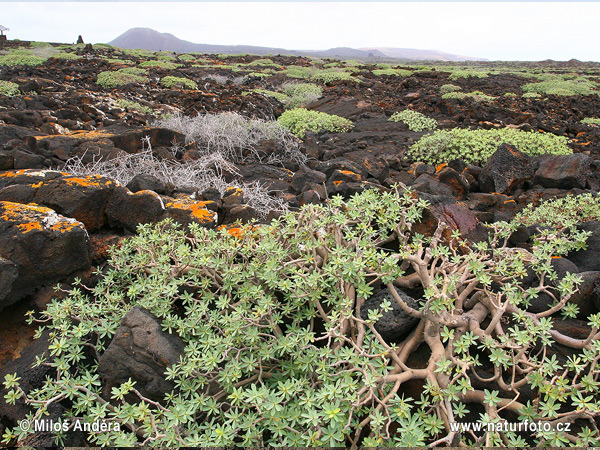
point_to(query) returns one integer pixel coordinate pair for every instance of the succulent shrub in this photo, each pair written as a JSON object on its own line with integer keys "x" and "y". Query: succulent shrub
{"x": 18, "y": 58}
{"x": 279, "y": 350}
{"x": 134, "y": 106}
{"x": 531, "y": 95}
{"x": 170, "y": 81}
{"x": 447, "y": 88}
{"x": 591, "y": 121}
{"x": 113, "y": 79}
{"x": 301, "y": 120}
{"x": 415, "y": 121}
{"x": 561, "y": 212}
{"x": 301, "y": 94}
{"x": 186, "y": 57}
{"x": 561, "y": 87}
{"x": 331, "y": 75}
{"x": 265, "y": 62}
{"x": 159, "y": 64}
{"x": 8, "y": 88}
{"x": 455, "y": 75}
{"x": 478, "y": 96}
{"x": 476, "y": 146}
{"x": 393, "y": 72}
{"x": 299, "y": 71}
{"x": 67, "y": 56}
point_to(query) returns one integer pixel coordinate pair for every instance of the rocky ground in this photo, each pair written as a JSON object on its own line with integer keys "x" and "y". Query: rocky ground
{"x": 55, "y": 226}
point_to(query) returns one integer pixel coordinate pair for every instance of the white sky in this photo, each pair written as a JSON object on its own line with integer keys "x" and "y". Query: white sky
{"x": 493, "y": 30}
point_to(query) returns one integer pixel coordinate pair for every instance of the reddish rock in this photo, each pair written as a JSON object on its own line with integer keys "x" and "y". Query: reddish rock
{"x": 564, "y": 172}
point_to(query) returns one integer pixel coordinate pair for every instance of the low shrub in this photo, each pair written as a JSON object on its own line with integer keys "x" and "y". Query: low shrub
{"x": 590, "y": 121}
{"x": 21, "y": 59}
{"x": 280, "y": 348}
{"x": 295, "y": 95}
{"x": 134, "y": 106}
{"x": 170, "y": 81}
{"x": 393, "y": 72}
{"x": 159, "y": 65}
{"x": 478, "y": 96}
{"x": 186, "y": 57}
{"x": 447, "y": 88}
{"x": 8, "y": 88}
{"x": 235, "y": 137}
{"x": 562, "y": 212}
{"x": 415, "y": 121}
{"x": 67, "y": 56}
{"x": 455, "y": 75}
{"x": 113, "y": 79}
{"x": 301, "y": 120}
{"x": 561, "y": 87}
{"x": 330, "y": 76}
{"x": 531, "y": 95}
{"x": 476, "y": 146}
{"x": 264, "y": 62}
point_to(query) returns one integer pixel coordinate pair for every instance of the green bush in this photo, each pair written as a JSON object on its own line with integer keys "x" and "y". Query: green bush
{"x": 301, "y": 120}
{"x": 299, "y": 72}
{"x": 134, "y": 106}
{"x": 414, "y": 120}
{"x": 590, "y": 121}
{"x": 478, "y": 96}
{"x": 264, "y": 62}
{"x": 280, "y": 349}
{"x": 561, "y": 87}
{"x": 562, "y": 212}
{"x": 134, "y": 71}
{"x": 170, "y": 81}
{"x": 66, "y": 56}
{"x": 113, "y": 79}
{"x": 187, "y": 58}
{"x": 21, "y": 59}
{"x": 455, "y": 75}
{"x": 329, "y": 76}
{"x": 447, "y": 88}
{"x": 8, "y": 88}
{"x": 476, "y": 146}
{"x": 301, "y": 94}
{"x": 393, "y": 72}
{"x": 531, "y": 95}
{"x": 159, "y": 65}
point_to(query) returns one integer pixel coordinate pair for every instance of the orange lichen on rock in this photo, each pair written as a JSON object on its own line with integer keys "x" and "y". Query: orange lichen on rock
{"x": 337, "y": 183}
{"x": 198, "y": 210}
{"x": 30, "y": 226}
{"x": 439, "y": 167}
{"x": 92, "y": 180}
{"x": 12, "y": 173}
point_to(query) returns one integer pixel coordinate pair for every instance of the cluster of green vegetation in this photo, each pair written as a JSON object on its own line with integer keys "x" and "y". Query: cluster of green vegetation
{"x": 393, "y": 72}
{"x": 67, "y": 56}
{"x": 295, "y": 95}
{"x": 447, "y": 88}
{"x": 478, "y": 96}
{"x": 8, "y": 88}
{"x": 591, "y": 121}
{"x": 121, "y": 77}
{"x": 186, "y": 57}
{"x": 455, "y": 75}
{"x": 159, "y": 65}
{"x": 476, "y": 146}
{"x": 301, "y": 120}
{"x": 326, "y": 76}
{"x": 170, "y": 81}
{"x": 560, "y": 86}
{"x": 415, "y": 120}
{"x": 134, "y": 106}
{"x": 263, "y": 62}
{"x": 21, "y": 58}
{"x": 531, "y": 95}
{"x": 281, "y": 351}
{"x": 562, "y": 212}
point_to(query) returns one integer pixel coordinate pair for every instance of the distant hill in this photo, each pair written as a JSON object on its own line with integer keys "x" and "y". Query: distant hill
{"x": 416, "y": 54}
{"x": 148, "y": 39}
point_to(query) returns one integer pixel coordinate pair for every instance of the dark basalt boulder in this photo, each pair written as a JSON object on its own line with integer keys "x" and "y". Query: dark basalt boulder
{"x": 588, "y": 259}
{"x": 142, "y": 351}
{"x": 396, "y": 323}
{"x": 127, "y": 210}
{"x": 564, "y": 172}
{"x": 505, "y": 170}
{"x": 44, "y": 246}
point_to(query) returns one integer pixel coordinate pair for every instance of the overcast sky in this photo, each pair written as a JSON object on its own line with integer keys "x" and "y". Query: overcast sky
{"x": 493, "y": 30}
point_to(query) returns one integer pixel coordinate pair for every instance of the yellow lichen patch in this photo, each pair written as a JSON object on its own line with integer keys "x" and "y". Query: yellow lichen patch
{"x": 439, "y": 167}
{"x": 30, "y": 226}
{"x": 37, "y": 185}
